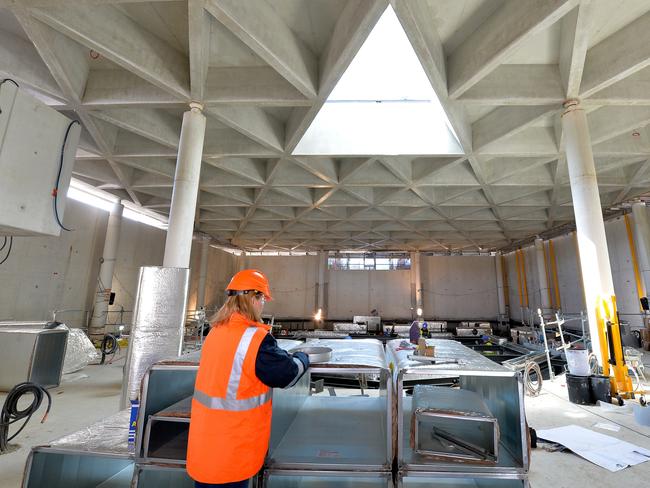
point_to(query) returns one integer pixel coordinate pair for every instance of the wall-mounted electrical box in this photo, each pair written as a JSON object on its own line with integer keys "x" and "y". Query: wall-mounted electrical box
{"x": 31, "y": 139}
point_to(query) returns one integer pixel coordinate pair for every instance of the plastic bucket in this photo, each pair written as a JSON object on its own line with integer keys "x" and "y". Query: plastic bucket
{"x": 579, "y": 389}
{"x": 578, "y": 362}
{"x": 600, "y": 388}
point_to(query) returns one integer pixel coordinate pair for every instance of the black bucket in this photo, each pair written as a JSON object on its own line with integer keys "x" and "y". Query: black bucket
{"x": 579, "y": 389}
{"x": 600, "y": 388}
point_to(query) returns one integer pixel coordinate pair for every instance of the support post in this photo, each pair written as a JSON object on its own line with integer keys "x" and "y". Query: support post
{"x": 417, "y": 276}
{"x": 590, "y": 227}
{"x": 178, "y": 245}
{"x": 503, "y": 314}
{"x": 542, "y": 276}
{"x": 642, "y": 242}
{"x": 97, "y": 325}
{"x": 203, "y": 273}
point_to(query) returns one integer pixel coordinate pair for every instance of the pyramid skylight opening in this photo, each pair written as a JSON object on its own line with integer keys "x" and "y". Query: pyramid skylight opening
{"x": 383, "y": 103}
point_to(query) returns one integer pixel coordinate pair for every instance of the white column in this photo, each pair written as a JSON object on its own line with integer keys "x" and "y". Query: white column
{"x": 178, "y": 245}
{"x": 500, "y": 290}
{"x": 105, "y": 278}
{"x": 203, "y": 273}
{"x": 642, "y": 242}
{"x": 415, "y": 261}
{"x": 322, "y": 269}
{"x": 592, "y": 243}
{"x": 542, "y": 277}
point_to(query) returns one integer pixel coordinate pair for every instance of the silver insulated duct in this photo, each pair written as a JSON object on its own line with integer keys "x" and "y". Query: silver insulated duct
{"x": 158, "y": 323}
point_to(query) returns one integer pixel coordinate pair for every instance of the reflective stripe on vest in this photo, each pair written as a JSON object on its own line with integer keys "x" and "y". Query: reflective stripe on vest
{"x": 231, "y": 402}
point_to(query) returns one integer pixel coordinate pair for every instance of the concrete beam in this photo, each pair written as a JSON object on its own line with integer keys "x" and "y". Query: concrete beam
{"x": 609, "y": 122}
{"x": 252, "y": 122}
{"x": 518, "y": 84}
{"x": 66, "y": 60}
{"x": 64, "y": 3}
{"x": 498, "y": 37}
{"x": 228, "y": 142}
{"x": 634, "y": 90}
{"x": 122, "y": 89}
{"x": 573, "y": 48}
{"x": 262, "y": 29}
{"x": 110, "y": 32}
{"x": 617, "y": 57}
{"x": 199, "y": 41}
{"x": 255, "y": 85}
{"x": 506, "y": 121}
{"x": 22, "y": 63}
{"x": 152, "y": 124}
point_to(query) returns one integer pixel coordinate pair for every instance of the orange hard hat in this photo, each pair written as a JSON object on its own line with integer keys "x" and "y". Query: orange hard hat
{"x": 250, "y": 279}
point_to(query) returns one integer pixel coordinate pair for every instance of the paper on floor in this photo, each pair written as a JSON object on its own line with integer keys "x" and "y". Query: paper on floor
{"x": 603, "y": 450}
{"x": 607, "y": 426}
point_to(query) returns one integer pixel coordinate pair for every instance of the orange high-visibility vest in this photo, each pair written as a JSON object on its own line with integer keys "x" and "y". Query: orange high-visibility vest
{"x": 230, "y": 423}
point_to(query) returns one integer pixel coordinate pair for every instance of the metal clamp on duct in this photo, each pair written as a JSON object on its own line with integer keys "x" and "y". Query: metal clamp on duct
{"x": 453, "y": 425}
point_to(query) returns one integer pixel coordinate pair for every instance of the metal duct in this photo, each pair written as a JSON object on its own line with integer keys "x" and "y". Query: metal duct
{"x": 158, "y": 322}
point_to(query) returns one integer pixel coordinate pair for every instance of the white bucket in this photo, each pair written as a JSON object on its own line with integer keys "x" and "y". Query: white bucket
{"x": 578, "y": 362}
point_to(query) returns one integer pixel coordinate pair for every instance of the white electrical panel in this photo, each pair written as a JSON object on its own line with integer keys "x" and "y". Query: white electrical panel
{"x": 31, "y": 139}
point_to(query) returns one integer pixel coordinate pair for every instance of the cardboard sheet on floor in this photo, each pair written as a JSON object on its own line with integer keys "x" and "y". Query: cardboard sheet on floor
{"x": 604, "y": 450}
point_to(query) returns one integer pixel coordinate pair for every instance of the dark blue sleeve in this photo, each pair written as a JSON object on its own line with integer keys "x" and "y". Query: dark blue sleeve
{"x": 276, "y": 368}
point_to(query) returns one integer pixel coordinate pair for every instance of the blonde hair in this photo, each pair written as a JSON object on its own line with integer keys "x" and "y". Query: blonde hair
{"x": 242, "y": 304}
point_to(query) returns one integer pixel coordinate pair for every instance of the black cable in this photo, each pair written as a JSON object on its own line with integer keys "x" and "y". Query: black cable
{"x": 11, "y": 243}
{"x": 9, "y": 79}
{"x": 3, "y": 244}
{"x": 11, "y": 413}
{"x": 108, "y": 346}
{"x": 55, "y": 192}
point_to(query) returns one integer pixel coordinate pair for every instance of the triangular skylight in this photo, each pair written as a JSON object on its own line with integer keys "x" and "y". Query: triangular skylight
{"x": 383, "y": 103}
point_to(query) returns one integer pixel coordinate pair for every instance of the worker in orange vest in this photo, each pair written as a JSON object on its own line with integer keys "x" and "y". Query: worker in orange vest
{"x": 230, "y": 423}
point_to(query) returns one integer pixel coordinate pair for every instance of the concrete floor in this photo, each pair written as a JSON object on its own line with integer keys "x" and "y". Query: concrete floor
{"x": 81, "y": 401}
{"x": 76, "y": 403}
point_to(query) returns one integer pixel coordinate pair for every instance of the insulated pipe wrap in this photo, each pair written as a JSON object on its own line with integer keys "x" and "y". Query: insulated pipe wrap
{"x": 158, "y": 323}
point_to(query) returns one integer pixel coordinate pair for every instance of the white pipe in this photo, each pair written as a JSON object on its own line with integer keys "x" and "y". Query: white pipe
{"x": 642, "y": 242}
{"x": 542, "y": 277}
{"x": 203, "y": 273}
{"x": 594, "y": 256}
{"x": 106, "y": 268}
{"x": 178, "y": 245}
{"x": 500, "y": 289}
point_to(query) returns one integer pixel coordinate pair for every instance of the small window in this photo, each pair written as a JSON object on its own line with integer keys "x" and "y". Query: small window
{"x": 377, "y": 262}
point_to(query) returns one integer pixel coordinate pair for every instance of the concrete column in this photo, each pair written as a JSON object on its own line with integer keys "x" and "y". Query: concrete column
{"x": 415, "y": 262}
{"x": 322, "y": 271}
{"x": 500, "y": 289}
{"x": 105, "y": 278}
{"x": 203, "y": 273}
{"x": 592, "y": 243}
{"x": 542, "y": 277}
{"x": 178, "y": 245}
{"x": 642, "y": 242}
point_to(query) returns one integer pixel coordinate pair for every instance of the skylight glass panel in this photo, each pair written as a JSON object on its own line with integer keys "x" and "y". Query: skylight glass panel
{"x": 383, "y": 103}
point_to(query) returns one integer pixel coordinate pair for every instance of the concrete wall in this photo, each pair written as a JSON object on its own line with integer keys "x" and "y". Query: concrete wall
{"x": 293, "y": 284}
{"x": 358, "y": 292}
{"x": 59, "y": 273}
{"x": 459, "y": 287}
{"x": 44, "y": 274}
{"x": 569, "y": 279}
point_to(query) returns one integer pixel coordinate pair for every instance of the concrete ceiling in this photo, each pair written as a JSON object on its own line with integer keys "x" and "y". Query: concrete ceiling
{"x": 501, "y": 68}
